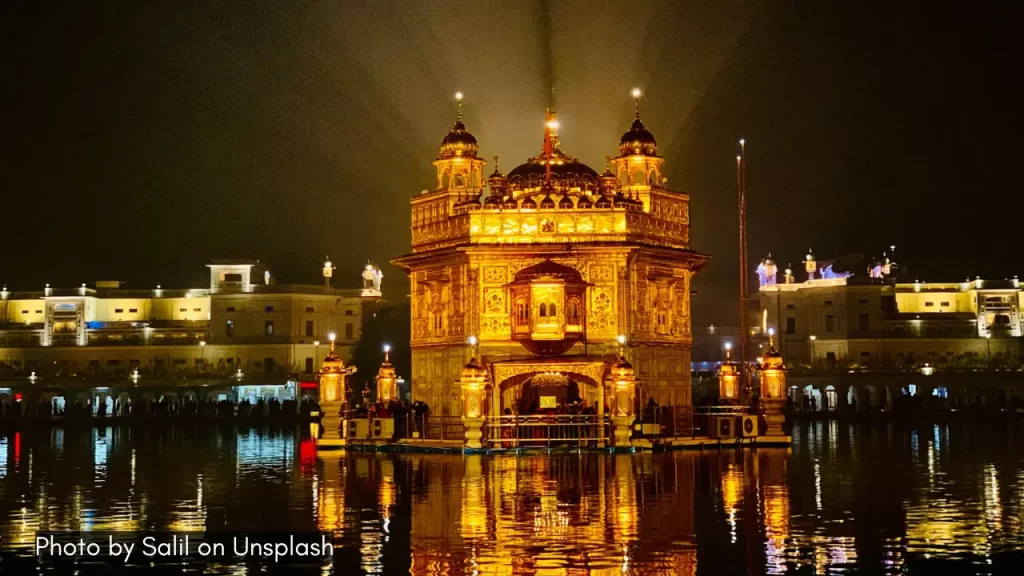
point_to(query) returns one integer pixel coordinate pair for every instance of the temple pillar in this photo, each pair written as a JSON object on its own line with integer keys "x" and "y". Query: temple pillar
{"x": 332, "y": 395}
{"x": 773, "y": 389}
{"x": 620, "y": 387}
{"x": 600, "y": 416}
{"x": 474, "y": 391}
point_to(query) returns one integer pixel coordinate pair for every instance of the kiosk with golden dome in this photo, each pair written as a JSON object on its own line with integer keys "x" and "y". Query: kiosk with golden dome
{"x": 546, "y": 267}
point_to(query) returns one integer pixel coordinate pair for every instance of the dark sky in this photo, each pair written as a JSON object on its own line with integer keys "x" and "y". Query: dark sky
{"x": 142, "y": 139}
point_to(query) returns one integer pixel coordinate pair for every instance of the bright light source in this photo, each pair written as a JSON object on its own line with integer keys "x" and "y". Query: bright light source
{"x": 636, "y": 92}
{"x": 728, "y": 345}
{"x": 771, "y": 331}
{"x": 387, "y": 347}
{"x": 743, "y": 142}
{"x": 813, "y": 337}
{"x": 458, "y": 95}
{"x": 202, "y": 342}
{"x": 316, "y": 342}
{"x": 621, "y": 338}
{"x": 332, "y": 336}
{"x": 472, "y": 340}
{"x": 553, "y": 124}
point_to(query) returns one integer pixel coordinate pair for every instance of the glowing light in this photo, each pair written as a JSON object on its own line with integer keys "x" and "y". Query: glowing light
{"x": 202, "y": 342}
{"x": 636, "y": 92}
{"x": 771, "y": 331}
{"x": 813, "y": 337}
{"x": 458, "y": 95}
{"x": 472, "y": 340}
{"x": 553, "y": 124}
{"x": 332, "y": 336}
{"x": 743, "y": 142}
{"x": 387, "y": 347}
{"x": 621, "y": 339}
{"x": 316, "y": 342}
{"x": 728, "y": 345}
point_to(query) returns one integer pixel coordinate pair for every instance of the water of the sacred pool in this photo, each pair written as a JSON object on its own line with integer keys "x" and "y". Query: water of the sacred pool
{"x": 845, "y": 498}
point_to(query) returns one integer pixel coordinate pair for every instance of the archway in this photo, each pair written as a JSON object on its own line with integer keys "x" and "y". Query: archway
{"x": 831, "y": 400}
{"x": 533, "y": 392}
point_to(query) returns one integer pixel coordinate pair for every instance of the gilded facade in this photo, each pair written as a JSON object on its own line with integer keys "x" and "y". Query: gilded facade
{"x": 545, "y": 268}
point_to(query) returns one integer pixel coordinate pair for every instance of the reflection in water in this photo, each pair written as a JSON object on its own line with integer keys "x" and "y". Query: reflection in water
{"x": 867, "y": 498}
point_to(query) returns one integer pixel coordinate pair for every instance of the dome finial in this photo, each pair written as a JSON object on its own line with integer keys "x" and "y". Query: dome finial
{"x": 458, "y": 100}
{"x": 636, "y": 101}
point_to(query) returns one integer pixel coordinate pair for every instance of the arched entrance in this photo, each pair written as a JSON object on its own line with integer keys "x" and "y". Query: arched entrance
{"x": 541, "y": 392}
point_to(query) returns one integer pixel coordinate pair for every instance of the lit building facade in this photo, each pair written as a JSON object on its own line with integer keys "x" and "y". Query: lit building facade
{"x": 871, "y": 320}
{"x": 244, "y": 335}
{"x": 546, "y": 267}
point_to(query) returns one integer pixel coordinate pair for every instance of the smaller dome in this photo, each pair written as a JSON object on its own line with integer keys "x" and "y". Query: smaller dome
{"x": 603, "y": 202}
{"x": 549, "y": 270}
{"x": 493, "y": 201}
{"x": 459, "y": 142}
{"x": 638, "y": 140}
{"x": 584, "y": 202}
{"x": 772, "y": 360}
{"x": 547, "y": 203}
{"x": 473, "y": 370}
{"x": 622, "y": 369}
{"x": 511, "y": 203}
{"x": 529, "y": 203}
{"x": 565, "y": 203}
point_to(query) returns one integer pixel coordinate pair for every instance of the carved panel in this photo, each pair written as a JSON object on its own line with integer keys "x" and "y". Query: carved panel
{"x": 494, "y": 301}
{"x": 495, "y": 275}
{"x": 495, "y": 326}
{"x": 601, "y": 319}
{"x": 601, "y": 274}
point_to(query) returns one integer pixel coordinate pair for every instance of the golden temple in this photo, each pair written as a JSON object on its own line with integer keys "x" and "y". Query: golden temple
{"x": 541, "y": 273}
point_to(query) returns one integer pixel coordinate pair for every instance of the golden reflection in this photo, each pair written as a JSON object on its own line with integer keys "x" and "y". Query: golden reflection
{"x": 331, "y": 481}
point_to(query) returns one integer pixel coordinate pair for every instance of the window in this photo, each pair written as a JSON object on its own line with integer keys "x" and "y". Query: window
{"x": 944, "y": 304}
{"x": 862, "y": 301}
{"x": 113, "y": 362}
{"x": 200, "y": 361}
{"x": 268, "y": 309}
{"x": 790, "y": 307}
{"x": 24, "y": 311}
{"x": 229, "y": 328}
{"x": 268, "y": 365}
{"x": 349, "y": 313}
{"x": 230, "y": 360}
{"x": 309, "y": 328}
{"x": 232, "y": 277}
{"x": 543, "y": 310}
{"x": 309, "y": 309}
{"x": 349, "y": 330}
{"x": 182, "y": 309}
{"x": 830, "y": 323}
{"x": 230, "y": 309}
{"x": 929, "y": 304}
{"x": 268, "y": 328}
{"x": 118, "y": 310}
{"x": 552, "y": 311}
{"x": 179, "y": 361}
{"x": 197, "y": 309}
{"x": 828, "y": 302}
{"x": 830, "y": 357}
{"x": 133, "y": 310}
{"x": 309, "y": 365}
{"x": 572, "y": 315}
{"x": 865, "y": 353}
{"x": 863, "y": 322}
{"x": 133, "y": 362}
{"x": 790, "y": 325}
{"x": 39, "y": 311}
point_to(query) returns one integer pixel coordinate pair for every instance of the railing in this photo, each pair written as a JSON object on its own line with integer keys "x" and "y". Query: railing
{"x": 543, "y": 430}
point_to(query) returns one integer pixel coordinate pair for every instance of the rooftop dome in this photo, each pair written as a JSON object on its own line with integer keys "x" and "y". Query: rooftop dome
{"x": 638, "y": 140}
{"x": 548, "y": 270}
{"x": 459, "y": 142}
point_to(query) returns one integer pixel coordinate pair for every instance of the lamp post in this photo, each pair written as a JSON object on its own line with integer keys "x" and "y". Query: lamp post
{"x": 811, "y": 346}
{"x": 316, "y": 354}
{"x": 988, "y": 346}
{"x": 202, "y": 353}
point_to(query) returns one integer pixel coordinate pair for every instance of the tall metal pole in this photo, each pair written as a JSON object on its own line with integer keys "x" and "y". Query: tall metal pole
{"x": 741, "y": 187}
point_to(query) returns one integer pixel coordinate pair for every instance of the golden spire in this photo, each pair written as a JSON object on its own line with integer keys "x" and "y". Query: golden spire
{"x": 636, "y": 101}
{"x": 458, "y": 99}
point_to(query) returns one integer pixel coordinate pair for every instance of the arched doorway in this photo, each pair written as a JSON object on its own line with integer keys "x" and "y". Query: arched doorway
{"x": 535, "y": 392}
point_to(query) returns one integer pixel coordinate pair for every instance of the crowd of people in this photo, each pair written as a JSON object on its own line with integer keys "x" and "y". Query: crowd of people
{"x": 164, "y": 407}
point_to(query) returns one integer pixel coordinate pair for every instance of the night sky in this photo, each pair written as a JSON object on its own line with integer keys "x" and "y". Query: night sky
{"x": 143, "y": 139}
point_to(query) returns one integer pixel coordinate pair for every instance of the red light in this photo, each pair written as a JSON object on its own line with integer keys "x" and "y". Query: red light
{"x": 307, "y": 385}
{"x": 17, "y": 396}
{"x": 17, "y": 447}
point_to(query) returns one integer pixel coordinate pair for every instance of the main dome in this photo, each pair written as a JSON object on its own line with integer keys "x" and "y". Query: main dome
{"x": 459, "y": 142}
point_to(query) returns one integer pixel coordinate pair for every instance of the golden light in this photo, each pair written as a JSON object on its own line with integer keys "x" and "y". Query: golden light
{"x": 458, "y": 95}
{"x": 553, "y": 124}
{"x": 331, "y": 336}
{"x": 636, "y": 92}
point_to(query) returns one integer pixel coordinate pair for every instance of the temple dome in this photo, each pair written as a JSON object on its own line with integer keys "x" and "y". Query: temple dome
{"x": 638, "y": 140}
{"x": 459, "y": 142}
{"x": 548, "y": 270}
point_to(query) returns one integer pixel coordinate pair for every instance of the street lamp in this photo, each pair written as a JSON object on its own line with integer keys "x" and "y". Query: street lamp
{"x": 988, "y": 346}
{"x": 316, "y": 354}
{"x": 812, "y": 338}
{"x": 202, "y": 352}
